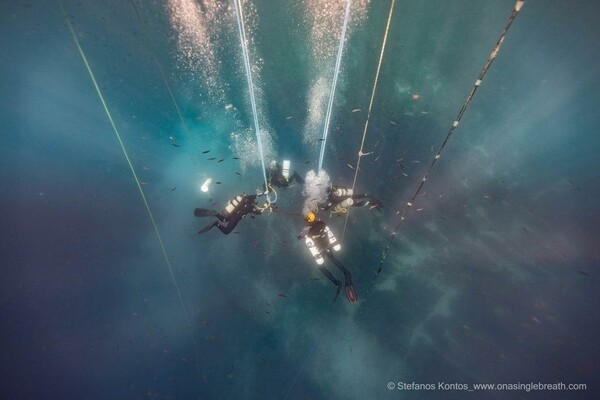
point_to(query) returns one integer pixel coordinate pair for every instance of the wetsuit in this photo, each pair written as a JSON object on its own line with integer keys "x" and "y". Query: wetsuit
{"x": 316, "y": 231}
{"x": 277, "y": 179}
{"x": 241, "y": 205}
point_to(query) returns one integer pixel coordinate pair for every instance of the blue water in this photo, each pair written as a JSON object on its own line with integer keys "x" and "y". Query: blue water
{"x": 494, "y": 280}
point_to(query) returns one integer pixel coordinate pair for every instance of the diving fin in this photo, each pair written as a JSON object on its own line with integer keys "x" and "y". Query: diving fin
{"x": 203, "y": 212}
{"x": 208, "y": 227}
{"x": 350, "y": 293}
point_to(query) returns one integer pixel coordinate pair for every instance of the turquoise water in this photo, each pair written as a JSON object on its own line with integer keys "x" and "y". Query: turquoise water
{"x": 493, "y": 277}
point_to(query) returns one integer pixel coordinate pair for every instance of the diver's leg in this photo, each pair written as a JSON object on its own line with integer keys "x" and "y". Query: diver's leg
{"x": 233, "y": 221}
{"x": 350, "y": 292}
{"x": 203, "y": 212}
{"x": 297, "y": 177}
{"x": 208, "y": 227}
{"x": 360, "y": 199}
{"x": 337, "y": 283}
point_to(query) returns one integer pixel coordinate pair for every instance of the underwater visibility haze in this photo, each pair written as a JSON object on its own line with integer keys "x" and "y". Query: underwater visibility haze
{"x": 115, "y": 113}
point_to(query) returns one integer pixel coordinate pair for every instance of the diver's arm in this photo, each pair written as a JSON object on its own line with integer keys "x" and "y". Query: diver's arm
{"x": 304, "y": 232}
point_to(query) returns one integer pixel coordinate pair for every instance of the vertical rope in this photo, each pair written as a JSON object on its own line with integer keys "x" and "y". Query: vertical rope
{"x": 362, "y": 143}
{"x": 240, "y": 20}
{"x": 453, "y": 127}
{"x": 132, "y": 169}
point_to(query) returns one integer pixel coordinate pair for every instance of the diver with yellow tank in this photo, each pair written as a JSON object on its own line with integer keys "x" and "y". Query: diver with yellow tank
{"x": 320, "y": 241}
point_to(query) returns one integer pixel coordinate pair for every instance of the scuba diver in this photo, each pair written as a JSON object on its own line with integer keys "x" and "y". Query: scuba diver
{"x": 279, "y": 176}
{"x": 340, "y": 198}
{"x": 235, "y": 210}
{"x": 320, "y": 240}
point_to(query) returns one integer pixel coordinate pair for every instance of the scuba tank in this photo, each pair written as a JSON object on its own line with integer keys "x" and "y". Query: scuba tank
{"x": 343, "y": 206}
{"x": 341, "y": 192}
{"x": 286, "y": 169}
{"x": 332, "y": 240}
{"x": 231, "y": 206}
{"x": 314, "y": 250}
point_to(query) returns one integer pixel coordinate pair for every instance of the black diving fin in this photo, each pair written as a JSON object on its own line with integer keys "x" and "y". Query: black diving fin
{"x": 351, "y": 293}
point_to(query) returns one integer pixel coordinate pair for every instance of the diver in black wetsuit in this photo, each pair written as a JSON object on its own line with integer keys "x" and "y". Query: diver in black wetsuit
{"x": 321, "y": 241}
{"x": 279, "y": 177}
{"x": 235, "y": 210}
{"x": 340, "y": 198}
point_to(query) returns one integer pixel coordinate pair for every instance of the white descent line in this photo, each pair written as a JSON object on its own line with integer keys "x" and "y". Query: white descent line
{"x": 240, "y": 21}
{"x": 137, "y": 181}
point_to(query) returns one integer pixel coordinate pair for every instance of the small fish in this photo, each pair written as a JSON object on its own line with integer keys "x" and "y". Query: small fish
{"x": 322, "y": 139}
{"x": 236, "y": 232}
{"x": 487, "y": 197}
{"x": 206, "y": 151}
{"x": 406, "y": 175}
{"x": 268, "y": 304}
{"x": 212, "y": 158}
{"x": 238, "y": 173}
{"x": 290, "y": 117}
{"x": 175, "y": 144}
{"x": 213, "y": 204}
{"x": 376, "y": 158}
{"x": 281, "y": 295}
{"x": 350, "y": 348}
{"x": 314, "y": 279}
{"x": 420, "y": 209}
{"x": 266, "y": 312}
{"x": 415, "y": 161}
{"x": 262, "y": 360}
{"x": 356, "y": 110}
{"x": 221, "y": 160}
{"x": 583, "y": 273}
{"x": 173, "y": 188}
{"x": 306, "y": 163}
{"x": 415, "y": 96}
{"x": 236, "y": 158}
{"x": 393, "y": 123}
{"x": 350, "y": 166}
{"x": 217, "y": 183}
